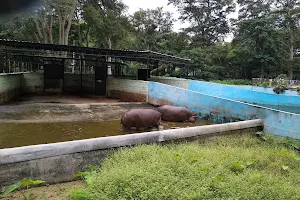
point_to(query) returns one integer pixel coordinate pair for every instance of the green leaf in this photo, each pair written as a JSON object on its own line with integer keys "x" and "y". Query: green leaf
{"x": 249, "y": 163}
{"x": 220, "y": 177}
{"x": 284, "y": 167}
{"x": 43, "y": 196}
{"x": 193, "y": 160}
{"x": 177, "y": 156}
{"x": 259, "y": 133}
{"x": 237, "y": 167}
{"x": 12, "y": 188}
{"x": 27, "y": 183}
{"x": 93, "y": 167}
{"x": 206, "y": 169}
{"x": 81, "y": 174}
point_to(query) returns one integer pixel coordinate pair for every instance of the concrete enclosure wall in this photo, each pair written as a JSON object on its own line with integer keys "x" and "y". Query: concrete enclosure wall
{"x": 127, "y": 90}
{"x": 248, "y": 94}
{"x": 58, "y": 162}
{"x": 177, "y": 82}
{"x": 33, "y": 82}
{"x": 268, "y": 90}
{"x": 245, "y": 95}
{"x": 14, "y": 85}
{"x": 225, "y": 110}
{"x": 10, "y": 86}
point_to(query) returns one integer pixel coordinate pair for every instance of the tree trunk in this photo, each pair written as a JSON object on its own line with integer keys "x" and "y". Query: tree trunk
{"x": 50, "y": 30}
{"x": 79, "y": 35}
{"x": 69, "y": 21}
{"x": 290, "y": 70}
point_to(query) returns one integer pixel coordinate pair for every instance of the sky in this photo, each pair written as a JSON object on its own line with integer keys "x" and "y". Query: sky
{"x": 134, "y": 5}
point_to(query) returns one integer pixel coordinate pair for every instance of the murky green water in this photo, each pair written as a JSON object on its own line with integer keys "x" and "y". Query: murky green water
{"x": 20, "y": 134}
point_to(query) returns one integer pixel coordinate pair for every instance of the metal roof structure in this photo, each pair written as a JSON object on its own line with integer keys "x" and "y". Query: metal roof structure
{"x": 32, "y": 48}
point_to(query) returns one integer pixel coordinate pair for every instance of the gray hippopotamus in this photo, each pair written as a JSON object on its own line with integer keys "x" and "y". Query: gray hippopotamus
{"x": 176, "y": 114}
{"x": 141, "y": 118}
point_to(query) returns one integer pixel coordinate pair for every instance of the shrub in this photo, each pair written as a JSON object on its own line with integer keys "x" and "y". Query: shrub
{"x": 234, "y": 82}
{"x": 265, "y": 84}
{"x": 281, "y": 84}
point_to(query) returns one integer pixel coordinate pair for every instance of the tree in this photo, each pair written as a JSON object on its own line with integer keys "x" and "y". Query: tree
{"x": 288, "y": 17}
{"x": 54, "y": 12}
{"x": 106, "y": 21}
{"x": 208, "y": 18}
{"x": 253, "y": 9}
{"x": 265, "y": 43}
{"x": 151, "y": 25}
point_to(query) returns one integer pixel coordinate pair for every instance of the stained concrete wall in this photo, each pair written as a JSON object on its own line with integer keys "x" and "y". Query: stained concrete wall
{"x": 225, "y": 110}
{"x": 33, "y": 82}
{"x": 127, "y": 90}
{"x": 58, "y": 162}
{"x": 245, "y": 95}
{"x": 10, "y": 86}
{"x": 177, "y": 82}
{"x": 14, "y": 85}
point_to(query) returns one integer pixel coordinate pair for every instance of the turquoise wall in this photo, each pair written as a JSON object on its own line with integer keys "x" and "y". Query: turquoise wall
{"x": 225, "y": 110}
{"x": 267, "y": 90}
{"x": 247, "y": 94}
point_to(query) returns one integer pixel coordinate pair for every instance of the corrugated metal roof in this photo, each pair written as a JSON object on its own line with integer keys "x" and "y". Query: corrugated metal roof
{"x": 133, "y": 55}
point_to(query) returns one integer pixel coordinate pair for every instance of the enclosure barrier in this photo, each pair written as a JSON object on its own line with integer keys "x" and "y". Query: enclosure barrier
{"x": 223, "y": 110}
{"x": 58, "y": 162}
{"x": 249, "y": 94}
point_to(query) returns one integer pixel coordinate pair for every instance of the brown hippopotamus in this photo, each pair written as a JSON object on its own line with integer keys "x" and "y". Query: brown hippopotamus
{"x": 176, "y": 114}
{"x": 141, "y": 118}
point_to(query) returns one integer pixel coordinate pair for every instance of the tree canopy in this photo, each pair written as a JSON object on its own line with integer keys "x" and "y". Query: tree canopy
{"x": 266, "y": 33}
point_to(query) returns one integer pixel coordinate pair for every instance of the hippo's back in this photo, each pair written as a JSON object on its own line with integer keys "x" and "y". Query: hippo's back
{"x": 141, "y": 118}
{"x": 173, "y": 113}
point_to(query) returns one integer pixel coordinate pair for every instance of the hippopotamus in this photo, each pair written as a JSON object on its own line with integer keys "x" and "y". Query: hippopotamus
{"x": 176, "y": 114}
{"x": 141, "y": 118}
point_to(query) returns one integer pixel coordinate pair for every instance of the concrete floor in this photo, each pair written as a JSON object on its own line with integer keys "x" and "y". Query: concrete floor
{"x": 63, "y": 99}
{"x": 65, "y": 108}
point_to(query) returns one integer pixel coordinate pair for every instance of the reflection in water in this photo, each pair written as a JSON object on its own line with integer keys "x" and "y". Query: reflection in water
{"x": 16, "y": 135}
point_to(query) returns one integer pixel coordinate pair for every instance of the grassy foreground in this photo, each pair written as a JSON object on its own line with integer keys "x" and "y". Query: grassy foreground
{"x": 227, "y": 167}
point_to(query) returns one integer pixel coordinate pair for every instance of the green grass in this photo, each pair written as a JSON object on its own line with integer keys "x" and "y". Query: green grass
{"x": 227, "y": 167}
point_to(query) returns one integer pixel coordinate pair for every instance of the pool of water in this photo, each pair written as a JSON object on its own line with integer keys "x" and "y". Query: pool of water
{"x": 23, "y": 134}
{"x": 290, "y": 109}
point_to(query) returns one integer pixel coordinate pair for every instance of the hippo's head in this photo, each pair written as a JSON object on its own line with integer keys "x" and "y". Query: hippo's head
{"x": 191, "y": 116}
{"x": 192, "y": 119}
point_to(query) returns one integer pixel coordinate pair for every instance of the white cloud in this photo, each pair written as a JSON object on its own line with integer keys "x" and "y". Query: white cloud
{"x": 134, "y": 5}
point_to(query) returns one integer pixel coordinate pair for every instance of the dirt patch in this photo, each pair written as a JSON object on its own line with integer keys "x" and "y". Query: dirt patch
{"x": 53, "y": 192}
{"x": 128, "y": 96}
{"x": 62, "y": 99}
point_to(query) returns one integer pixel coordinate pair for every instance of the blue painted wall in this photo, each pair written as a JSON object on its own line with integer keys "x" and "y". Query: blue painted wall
{"x": 245, "y": 94}
{"x": 225, "y": 110}
{"x": 267, "y": 90}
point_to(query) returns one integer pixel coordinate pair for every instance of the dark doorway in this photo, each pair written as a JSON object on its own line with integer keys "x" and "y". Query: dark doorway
{"x": 100, "y": 79}
{"x": 143, "y": 74}
{"x": 54, "y": 76}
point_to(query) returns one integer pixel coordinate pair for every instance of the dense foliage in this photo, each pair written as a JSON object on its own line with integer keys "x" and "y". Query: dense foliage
{"x": 227, "y": 167}
{"x": 265, "y": 34}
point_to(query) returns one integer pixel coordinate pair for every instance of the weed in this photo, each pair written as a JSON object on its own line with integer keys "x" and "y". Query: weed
{"x": 227, "y": 167}
{"x": 23, "y": 183}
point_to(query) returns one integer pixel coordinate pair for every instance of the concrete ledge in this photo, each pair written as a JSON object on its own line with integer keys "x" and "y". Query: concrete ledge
{"x": 27, "y": 153}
